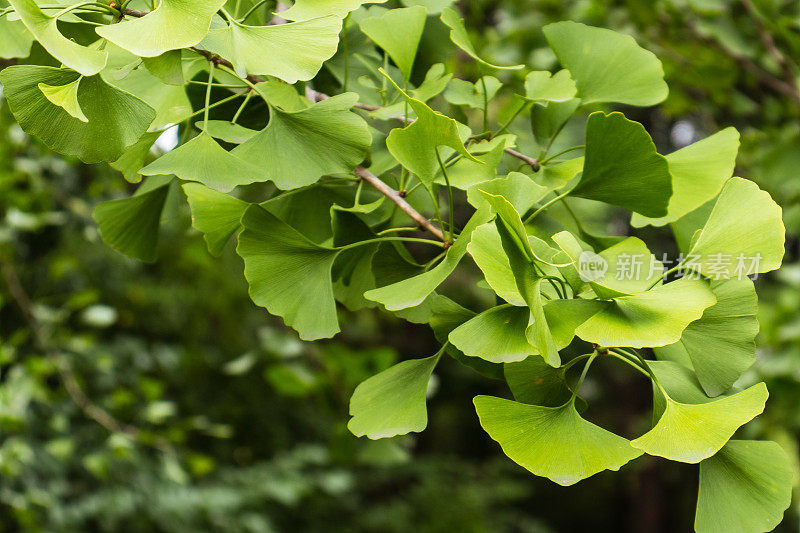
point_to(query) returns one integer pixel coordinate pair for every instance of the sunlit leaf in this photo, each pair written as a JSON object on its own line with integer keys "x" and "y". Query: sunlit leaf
{"x": 263, "y": 50}
{"x": 288, "y": 274}
{"x": 745, "y": 487}
{"x": 698, "y": 173}
{"x": 475, "y": 95}
{"x": 65, "y": 97}
{"x": 15, "y": 39}
{"x": 216, "y": 214}
{"x": 116, "y": 119}
{"x": 174, "y": 24}
{"x": 398, "y": 32}
{"x": 541, "y": 86}
{"x": 203, "y": 159}
{"x": 721, "y": 344}
{"x": 310, "y": 9}
{"x": 297, "y": 148}
{"x": 392, "y": 402}
{"x": 552, "y": 442}
{"x": 653, "y": 318}
{"x": 86, "y": 60}
{"x": 622, "y": 166}
{"x": 607, "y": 66}
{"x": 744, "y": 234}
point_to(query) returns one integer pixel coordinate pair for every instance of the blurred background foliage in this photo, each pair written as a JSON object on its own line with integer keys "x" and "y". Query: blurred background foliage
{"x": 137, "y": 397}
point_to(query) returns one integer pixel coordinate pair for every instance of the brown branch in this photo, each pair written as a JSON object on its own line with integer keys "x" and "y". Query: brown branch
{"x": 65, "y": 372}
{"x": 395, "y": 197}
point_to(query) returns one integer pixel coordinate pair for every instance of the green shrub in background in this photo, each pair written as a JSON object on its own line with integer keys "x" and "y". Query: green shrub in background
{"x": 351, "y": 175}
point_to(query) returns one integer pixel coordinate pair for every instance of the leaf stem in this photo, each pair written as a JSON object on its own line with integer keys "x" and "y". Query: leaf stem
{"x": 208, "y": 95}
{"x": 583, "y": 375}
{"x": 251, "y": 10}
{"x": 627, "y": 361}
{"x": 451, "y": 203}
{"x": 241, "y": 107}
{"x": 562, "y": 152}
{"x": 389, "y": 239}
{"x": 547, "y": 204}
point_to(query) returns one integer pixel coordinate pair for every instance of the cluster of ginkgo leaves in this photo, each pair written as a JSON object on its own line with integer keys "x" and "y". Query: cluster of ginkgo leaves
{"x": 353, "y": 172}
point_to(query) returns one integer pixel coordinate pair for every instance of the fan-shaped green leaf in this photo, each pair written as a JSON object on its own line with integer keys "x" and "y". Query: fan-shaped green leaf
{"x": 698, "y": 173}
{"x": 65, "y": 97}
{"x": 541, "y": 86}
{"x": 415, "y": 145}
{"x": 744, "y": 488}
{"x": 226, "y": 131}
{"x": 203, "y": 159}
{"x": 297, "y": 148}
{"x": 721, "y": 344}
{"x": 398, "y": 32}
{"x": 744, "y": 234}
{"x": 460, "y": 37}
{"x": 216, "y": 214}
{"x": 135, "y": 156}
{"x": 517, "y": 188}
{"x": 622, "y": 166}
{"x": 263, "y": 50}
{"x": 392, "y": 402}
{"x": 462, "y": 92}
{"x": 15, "y": 39}
{"x": 131, "y": 225}
{"x": 412, "y": 291}
{"x": 167, "y": 67}
{"x": 535, "y": 382}
{"x": 631, "y": 269}
{"x": 690, "y": 433}
{"x": 653, "y": 318}
{"x": 86, "y": 60}
{"x": 553, "y": 442}
{"x": 607, "y": 66}
{"x": 288, "y": 274}
{"x": 116, "y": 119}
{"x": 496, "y": 335}
{"x": 310, "y": 9}
{"x": 172, "y": 25}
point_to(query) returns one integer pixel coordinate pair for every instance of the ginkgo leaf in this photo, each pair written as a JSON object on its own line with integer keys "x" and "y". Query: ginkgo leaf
{"x": 86, "y": 60}
{"x": 297, "y": 148}
{"x": 607, "y": 66}
{"x": 415, "y": 145}
{"x": 65, "y": 97}
{"x": 475, "y": 95}
{"x": 552, "y": 442}
{"x": 170, "y": 102}
{"x": 15, "y": 39}
{"x": 216, "y": 214}
{"x": 652, "y": 318}
{"x": 541, "y": 86}
{"x": 203, "y": 159}
{"x": 698, "y": 173}
{"x": 167, "y": 67}
{"x": 622, "y": 166}
{"x": 174, "y": 24}
{"x": 631, "y": 269}
{"x": 393, "y": 402}
{"x": 116, "y": 119}
{"x": 744, "y": 234}
{"x": 226, "y": 131}
{"x": 135, "y": 156}
{"x": 517, "y": 188}
{"x": 535, "y": 382}
{"x": 412, "y": 291}
{"x": 496, "y": 335}
{"x": 398, "y": 32}
{"x": 310, "y": 9}
{"x": 721, "y": 344}
{"x": 263, "y": 50}
{"x": 690, "y": 433}
{"x": 130, "y": 225}
{"x": 288, "y": 274}
{"x": 745, "y": 487}
{"x": 460, "y": 37}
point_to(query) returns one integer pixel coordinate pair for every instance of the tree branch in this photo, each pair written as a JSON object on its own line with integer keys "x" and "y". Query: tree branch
{"x": 395, "y": 197}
